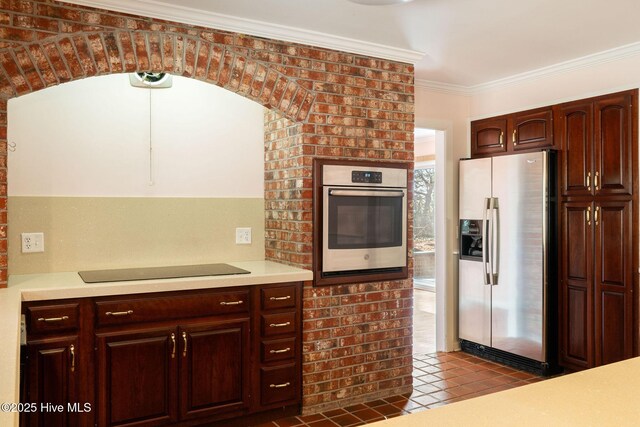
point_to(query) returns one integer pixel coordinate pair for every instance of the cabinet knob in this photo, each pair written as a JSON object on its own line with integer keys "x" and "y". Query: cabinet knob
{"x": 589, "y": 180}
{"x": 513, "y": 137}
{"x": 596, "y": 181}
{"x": 589, "y": 215}
{"x": 501, "y": 139}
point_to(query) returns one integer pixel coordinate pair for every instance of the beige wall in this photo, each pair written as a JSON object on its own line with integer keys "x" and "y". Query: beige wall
{"x": 84, "y": 233}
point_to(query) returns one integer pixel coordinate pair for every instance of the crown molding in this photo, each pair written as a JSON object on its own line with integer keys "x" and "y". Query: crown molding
{"x": 587, "y": 61}
{"x": 449, "y": 88}
{"x": 186, "y": 15}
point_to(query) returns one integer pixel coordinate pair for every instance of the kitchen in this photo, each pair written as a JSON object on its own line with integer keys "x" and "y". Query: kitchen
{"x": 433, "y": 108}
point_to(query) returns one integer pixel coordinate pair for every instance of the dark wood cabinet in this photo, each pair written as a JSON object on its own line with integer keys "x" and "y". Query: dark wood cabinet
{"x": 532, "y": 130}
{"x": 172, "y": 358}
{"x": 576, "y": 311}
{"x": 488, "y": 136}
{"x": 613, "y": 277}
{"x": 214, "y": 368}
{"x": 518, "y": 132}
{"x": 53, "y": 380}
{"x": 278, "y": 374}
{"x": 599, "y": 223}
{"x": 597, "y": 142}
{"x": 136, "y": 378}
{"x": 613, "y": 145}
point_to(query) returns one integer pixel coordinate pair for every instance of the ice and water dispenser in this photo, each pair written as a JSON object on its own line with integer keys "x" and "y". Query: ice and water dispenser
{"x": 471, "y": 239}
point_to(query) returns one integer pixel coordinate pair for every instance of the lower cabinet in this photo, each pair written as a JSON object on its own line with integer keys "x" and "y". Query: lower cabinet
{"x": 53, "y": 381}
{"x": 175, "y": 358}
{"x": 597, "y": 283}
{"x": 137, "y": 377}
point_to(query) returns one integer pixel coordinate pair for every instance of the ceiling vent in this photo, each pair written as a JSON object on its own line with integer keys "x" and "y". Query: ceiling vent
{"x": 151, "y": 80}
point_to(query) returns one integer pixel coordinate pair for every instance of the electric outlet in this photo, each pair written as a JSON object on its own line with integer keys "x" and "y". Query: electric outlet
{"x": 243, "y": 236}
{"x": 32, "y": 242}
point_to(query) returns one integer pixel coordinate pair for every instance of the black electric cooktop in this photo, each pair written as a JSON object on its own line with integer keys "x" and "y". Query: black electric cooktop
{"x": 148, "y": 273}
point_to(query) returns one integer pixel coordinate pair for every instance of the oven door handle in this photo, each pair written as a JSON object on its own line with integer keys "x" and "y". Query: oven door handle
{"x": 367, "y": 193}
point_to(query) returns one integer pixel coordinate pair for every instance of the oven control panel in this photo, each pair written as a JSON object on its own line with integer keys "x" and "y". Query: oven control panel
{"x": 367, "y": 177}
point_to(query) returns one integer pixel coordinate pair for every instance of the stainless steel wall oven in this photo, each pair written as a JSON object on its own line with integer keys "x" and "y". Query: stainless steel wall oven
{"x": 364, "y": 220}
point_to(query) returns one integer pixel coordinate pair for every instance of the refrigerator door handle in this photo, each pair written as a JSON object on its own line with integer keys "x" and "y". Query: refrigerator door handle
{"x": 495, "y": 241}
{"x": 486, "y": 259}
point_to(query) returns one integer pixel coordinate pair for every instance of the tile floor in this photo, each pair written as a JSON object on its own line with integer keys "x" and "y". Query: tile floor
{"x": 438, "y": 379}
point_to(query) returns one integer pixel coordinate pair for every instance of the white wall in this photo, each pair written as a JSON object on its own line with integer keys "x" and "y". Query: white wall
{"x": 447, "y": 113}
{"x": 91, "y": 138}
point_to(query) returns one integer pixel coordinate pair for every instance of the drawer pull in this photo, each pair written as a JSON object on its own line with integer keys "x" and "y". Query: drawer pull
{"x": 53, "y": 319}
{"x": 173, "y": 341}
{"x": 279, "y": 325}
{"x": 72, "y": 349}
{"x": 231, "y": 302}
{"x": 284, "y": 350}
{"x": 287, "y": 384}
{"x": 280, "y": 298}
{"x": 184, "y": 350}
{"x": 119, "y": 313}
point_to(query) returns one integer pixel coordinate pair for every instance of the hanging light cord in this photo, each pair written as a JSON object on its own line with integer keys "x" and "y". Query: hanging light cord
{"x": 150, "y": 144}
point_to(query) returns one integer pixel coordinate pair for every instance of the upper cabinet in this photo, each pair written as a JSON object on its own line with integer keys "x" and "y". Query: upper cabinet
{"x": 518, "y": 132}
{"x": 596, "y": 139}
{"x": 488, "y": 137}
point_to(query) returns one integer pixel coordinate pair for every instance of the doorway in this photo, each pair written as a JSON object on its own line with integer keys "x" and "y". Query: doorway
{"x": 424, "y": 242}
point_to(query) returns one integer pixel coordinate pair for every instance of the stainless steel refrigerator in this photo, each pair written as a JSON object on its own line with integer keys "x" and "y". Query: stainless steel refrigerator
{"x": 507, "y": 259}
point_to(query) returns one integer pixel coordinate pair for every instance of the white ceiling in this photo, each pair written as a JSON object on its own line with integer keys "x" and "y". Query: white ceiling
{"x": 464, "y": 43}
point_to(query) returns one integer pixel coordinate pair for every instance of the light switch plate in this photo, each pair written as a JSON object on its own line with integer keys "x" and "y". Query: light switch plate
{"x": 243, "y": 236}
{"x": 32, "y": 242}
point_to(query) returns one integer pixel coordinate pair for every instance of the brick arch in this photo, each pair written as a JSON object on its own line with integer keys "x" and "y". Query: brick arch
{"x": 60, "y": 59}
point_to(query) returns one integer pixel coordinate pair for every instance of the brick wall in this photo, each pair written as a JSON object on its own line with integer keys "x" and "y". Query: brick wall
{"x": 322, "y": 103}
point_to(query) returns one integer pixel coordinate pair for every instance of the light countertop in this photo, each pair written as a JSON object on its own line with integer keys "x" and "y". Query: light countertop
{"x": 52, "y": 286}
{"x": 603, "y": 396}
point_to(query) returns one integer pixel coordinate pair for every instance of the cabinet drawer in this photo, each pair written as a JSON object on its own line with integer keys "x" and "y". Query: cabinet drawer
{"x": 52, "y": 318}
{"x": 279, "y": 297}
{"x": 278, "y": 324}
{"x": 278, "y": 384}
{"x": 131, "y": 310}
{"x": 275, "y": 350}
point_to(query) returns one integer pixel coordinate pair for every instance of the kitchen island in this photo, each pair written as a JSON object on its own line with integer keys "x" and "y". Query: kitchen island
{"x": 57, "y": 286}
{"x": 603, "y": 396}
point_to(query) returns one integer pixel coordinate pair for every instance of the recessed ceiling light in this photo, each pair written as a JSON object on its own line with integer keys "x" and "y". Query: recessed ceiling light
{"x": 379, "y": 2}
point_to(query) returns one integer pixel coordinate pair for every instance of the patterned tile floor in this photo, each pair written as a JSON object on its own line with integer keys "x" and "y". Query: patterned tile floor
{"x": 438, "y": 379}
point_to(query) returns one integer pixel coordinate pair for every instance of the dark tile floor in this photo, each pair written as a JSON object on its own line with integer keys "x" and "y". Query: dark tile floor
{"x": 438, "y": 379}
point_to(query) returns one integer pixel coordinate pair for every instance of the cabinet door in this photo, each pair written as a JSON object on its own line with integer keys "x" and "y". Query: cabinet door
{"x": 532, "y": 130}
{"x": 214, "y": 368}
{"x": 575, "y": 130}
{"x": 613, "y": 145}
{"x": 613, "y": 282}
{"x": 137, "y": 377}
{"x": 488, "y": 136}
{"x": 576, "y": 323}
{"x": 53, "y": 380}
